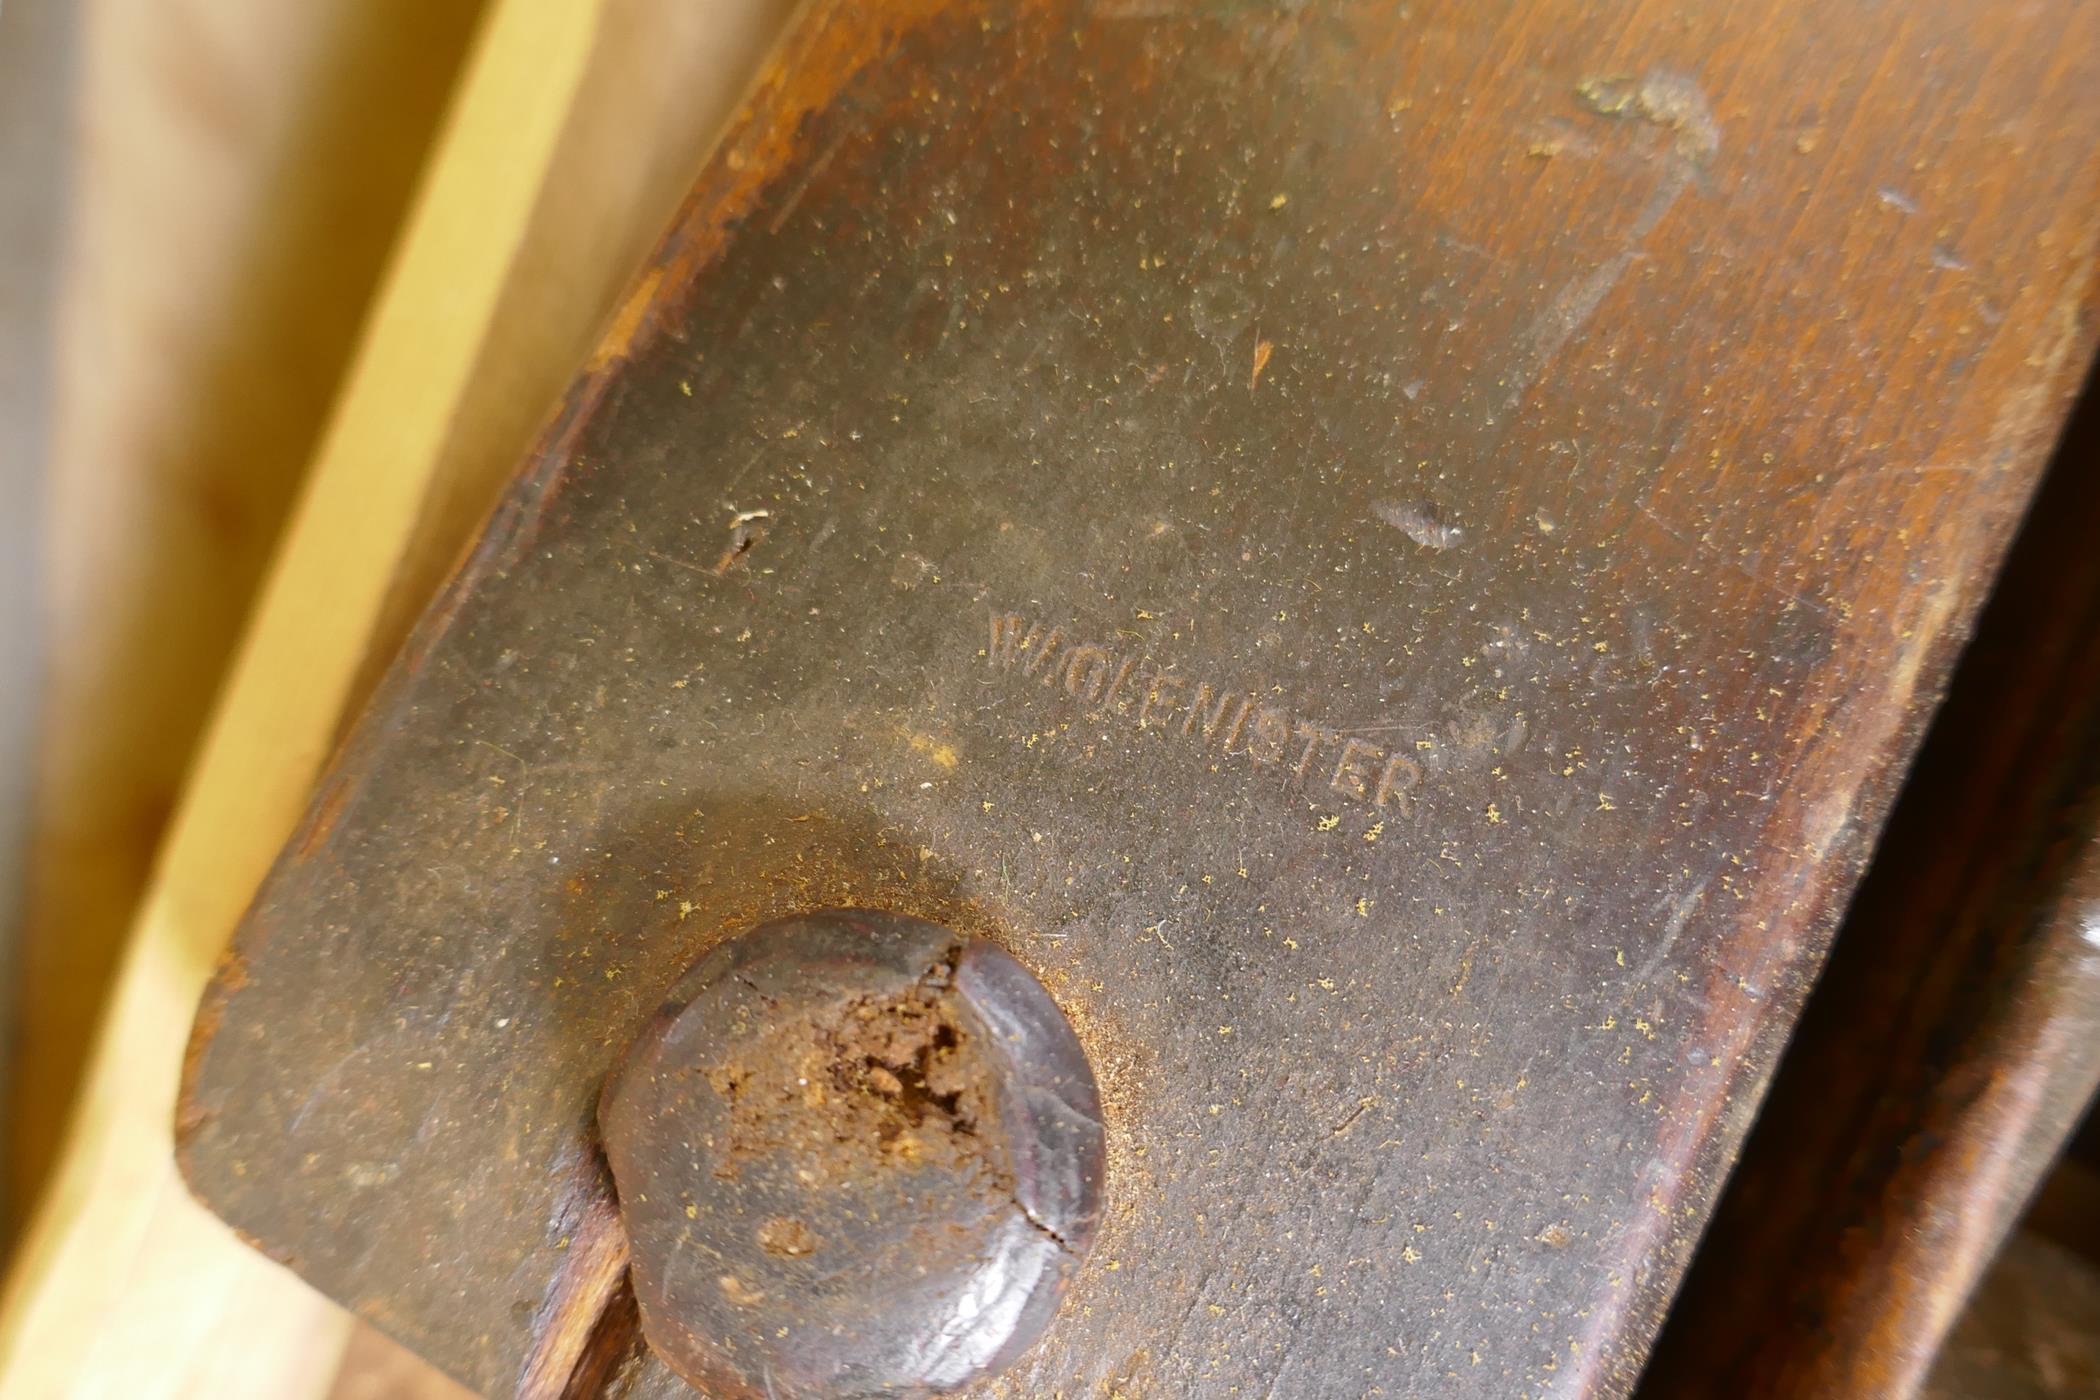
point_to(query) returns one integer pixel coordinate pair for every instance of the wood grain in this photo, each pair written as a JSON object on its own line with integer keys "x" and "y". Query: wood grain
{"x": 1953, "y": 1042}
{"x": 588, "y": 1325}
{"x": 656, "y": 79}
{"x": 1628, "y": 416}
{"x": 124, "y": 1286}
{"x": 243, "y": 170}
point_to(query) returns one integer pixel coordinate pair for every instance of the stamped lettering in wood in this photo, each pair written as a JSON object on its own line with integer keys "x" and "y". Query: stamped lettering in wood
{"x": 1210, "y": 716}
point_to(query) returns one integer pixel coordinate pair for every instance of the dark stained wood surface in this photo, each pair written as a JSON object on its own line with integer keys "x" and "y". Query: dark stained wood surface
{"x": 1953, "y": 1042}
{"x": 1506, "y": 483}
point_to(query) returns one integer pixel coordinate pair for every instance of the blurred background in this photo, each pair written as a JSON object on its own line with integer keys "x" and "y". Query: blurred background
{"x": 202, "y": 203}
{"x": 286, "y": 290}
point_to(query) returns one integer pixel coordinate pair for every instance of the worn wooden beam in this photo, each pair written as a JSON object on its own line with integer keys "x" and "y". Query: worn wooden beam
{"x": 1395, "y": 557}
{"x": 123, "y": 1285}
{"x": 1953, "y": 1043}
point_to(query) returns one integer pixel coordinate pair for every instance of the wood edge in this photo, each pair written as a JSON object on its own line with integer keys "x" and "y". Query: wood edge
{"x": 61, "y": 1292}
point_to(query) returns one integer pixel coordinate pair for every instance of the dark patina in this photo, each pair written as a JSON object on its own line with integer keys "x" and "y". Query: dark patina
{"x": 1392, "y": 556}
{"x": 858, "y": 1155}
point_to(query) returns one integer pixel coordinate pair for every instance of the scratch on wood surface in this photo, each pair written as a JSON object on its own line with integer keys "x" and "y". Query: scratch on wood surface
{"x": 1699, "y": 545}
{"x": 1420, "y": 524}
{"x": 1663, "y": 98}
{"x": 809, "y": 177}
{"x": 582, "y": 1299}
{"x": 1681, "y": 910}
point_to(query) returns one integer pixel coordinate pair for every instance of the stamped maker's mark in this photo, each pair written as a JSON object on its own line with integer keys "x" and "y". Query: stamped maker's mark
{"x": 1209, "y": 716}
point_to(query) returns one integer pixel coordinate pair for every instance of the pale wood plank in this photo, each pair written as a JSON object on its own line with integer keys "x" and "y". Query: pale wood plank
{"x": 125, "y": 1286}
{"x": 492, "y": 304}
{"x": 240, "y": 172}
